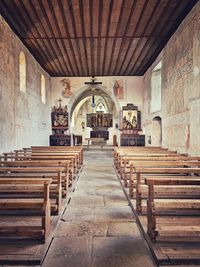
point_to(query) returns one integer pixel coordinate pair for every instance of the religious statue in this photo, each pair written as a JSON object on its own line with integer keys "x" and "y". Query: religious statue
{"x": 67, "y": 91}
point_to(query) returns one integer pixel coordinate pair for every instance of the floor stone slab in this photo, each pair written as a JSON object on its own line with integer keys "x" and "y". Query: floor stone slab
{"x": 87, "y": 200}
{"x": 80, "y": 229}
{"x": 120, "y": 252}
{"x": 79, "y": 214}
{"x": 120, "y": 229}
{"x": 114, "y": 214}
{"x": 69, "y": 252}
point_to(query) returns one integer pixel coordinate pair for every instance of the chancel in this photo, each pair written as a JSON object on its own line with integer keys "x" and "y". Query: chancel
{"x": 99, "y": 137}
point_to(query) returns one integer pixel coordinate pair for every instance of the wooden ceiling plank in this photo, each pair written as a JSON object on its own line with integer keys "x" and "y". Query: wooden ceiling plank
{"x": 71, "y": 11}
{"x": 95, "y": 18}
{"x": 26, "y": 9}
{"x": 131, "y": 49}
{"x": 105, "y": 17}
{"x": 116, "y": 15}
{"x": 65, "y": 52}
{"x": 12, "y": 18}
{"x": 161, "y": 30}
{"x": 126, "y": 16}
{"x": 148, "y": 16}
{"x": 107, "y": 31}
{"x": 89, "y": 55}
{"x": 95, "y": 42}
{"x": 62, "y": 8}
{"x": 118, "y": 61}
{"x": 45, "y": 16}
{"x": 115, "y": 55}
{"x": 91, "y": 39}
{"x": 38, "y": 45}
{"x": 50, "y": 49}
{"x": 164, "y": 41}
{"x": 100, "y": 8}
{"x": 145, "y": 54}
{"x": 137, "y": 26}
{"x": 116, "y": 35}
{"x": 102, "y": 52}
{"x": 23, "y": 25}
{"x": 84, "y": 34}
{"x": 107, "y": 61}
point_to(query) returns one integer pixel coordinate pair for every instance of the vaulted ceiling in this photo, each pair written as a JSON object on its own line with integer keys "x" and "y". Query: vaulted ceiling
{"x": 95, "y": 37}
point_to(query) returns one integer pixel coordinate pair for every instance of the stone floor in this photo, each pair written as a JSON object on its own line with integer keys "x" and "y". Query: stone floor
{"x": 98, "y": 227}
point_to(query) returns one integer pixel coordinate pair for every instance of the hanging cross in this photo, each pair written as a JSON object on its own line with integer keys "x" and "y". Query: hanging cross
{"x": 93, "y": 83}
{"x": 59, "y": 101}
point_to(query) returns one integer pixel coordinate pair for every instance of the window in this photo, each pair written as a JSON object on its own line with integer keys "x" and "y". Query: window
{"x": 156, "y": 88}
{"x": 22, "y": 72}
{"x": 43, "y": 89}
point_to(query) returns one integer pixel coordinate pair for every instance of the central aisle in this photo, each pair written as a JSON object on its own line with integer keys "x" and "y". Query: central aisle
{"x": 98, "y": 228}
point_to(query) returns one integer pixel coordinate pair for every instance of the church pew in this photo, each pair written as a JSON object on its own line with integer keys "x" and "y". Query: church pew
{"x": 38, "y": 206}
{"x": 11, "y": 156}
{"x": 157, "y": 162}
{"x": 72, "y": 167}
{"x": 142, "y": 171}
{"x": 143, "y": 154}
{"x": 65, "y": 165}
{"x": 78, "y": 149}
{"x": 55, "y": 173}
{"x": 165, "y": 227}
{"x": 133, "y": 150}
{"x": 124, "y": 164}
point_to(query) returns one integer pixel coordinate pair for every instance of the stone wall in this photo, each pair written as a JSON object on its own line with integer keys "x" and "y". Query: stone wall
{"x": 180, "y": 110}
{"x": 24, "y": 119}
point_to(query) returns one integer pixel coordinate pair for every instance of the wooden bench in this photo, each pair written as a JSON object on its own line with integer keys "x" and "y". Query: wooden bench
{"x": 189, "y": 227}
{"x": 77, "y": 149}
{"x": 156, "y": 162}
{"x": 39, "y": 173}
{"x": 157, "y": 171}
{"x": 22, "y": 205}
{"x": 124, "y": 165}
{"x": 72, "y": 166}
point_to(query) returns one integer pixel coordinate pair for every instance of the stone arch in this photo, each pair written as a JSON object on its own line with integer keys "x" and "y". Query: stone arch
{"x": 84, "y": 92}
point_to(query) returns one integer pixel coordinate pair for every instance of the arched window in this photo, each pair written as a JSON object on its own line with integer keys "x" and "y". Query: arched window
{"x": 22, "y": 72}
{"x": 43, "y": 89}
{"x": 156, "y": 88}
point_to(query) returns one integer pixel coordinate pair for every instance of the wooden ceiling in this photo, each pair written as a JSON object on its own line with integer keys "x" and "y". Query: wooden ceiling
{"x": 95, "y": 37}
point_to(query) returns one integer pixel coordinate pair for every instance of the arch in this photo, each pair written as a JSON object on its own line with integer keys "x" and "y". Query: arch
{"x": 22, "y": 72}
{"x": 156, "y": 131}
{"x": 43, "y": 89}
{"x": 85, "y": 91}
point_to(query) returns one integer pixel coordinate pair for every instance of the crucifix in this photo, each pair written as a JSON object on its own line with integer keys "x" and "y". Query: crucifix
{"x": 59, "y": 101}
{"x": 93, "y": 83}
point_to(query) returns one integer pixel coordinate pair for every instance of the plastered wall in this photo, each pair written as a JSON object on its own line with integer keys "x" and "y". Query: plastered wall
{"x": 24, "y": 119}
{"x": 180, "y": 111}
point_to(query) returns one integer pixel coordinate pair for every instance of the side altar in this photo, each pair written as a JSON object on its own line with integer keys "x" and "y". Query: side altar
{"x": 59, "y": 122}
{"x": 131, "y": 126}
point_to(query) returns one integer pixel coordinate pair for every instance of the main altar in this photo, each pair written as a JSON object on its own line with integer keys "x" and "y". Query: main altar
{"x": 99, "y": 122}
